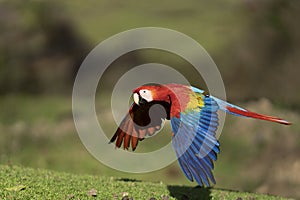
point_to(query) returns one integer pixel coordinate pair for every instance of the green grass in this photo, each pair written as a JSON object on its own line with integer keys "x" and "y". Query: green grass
{"x": 26, "y": 183}
{"x": 43, "y": 127}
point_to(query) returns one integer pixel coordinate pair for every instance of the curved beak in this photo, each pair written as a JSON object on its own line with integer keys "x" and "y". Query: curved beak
{"x": 136, "y": 98}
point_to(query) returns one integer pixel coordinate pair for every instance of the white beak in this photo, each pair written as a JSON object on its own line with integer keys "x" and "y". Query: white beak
{"x": 136, "y": 98}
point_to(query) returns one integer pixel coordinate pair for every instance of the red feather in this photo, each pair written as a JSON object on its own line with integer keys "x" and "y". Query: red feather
{"x": 248, "y": 113}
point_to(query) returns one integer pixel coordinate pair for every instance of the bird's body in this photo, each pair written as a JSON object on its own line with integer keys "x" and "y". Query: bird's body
{"x": 194, "y": 121}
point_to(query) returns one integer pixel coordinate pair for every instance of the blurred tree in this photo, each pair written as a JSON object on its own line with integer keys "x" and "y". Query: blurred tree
{"x": 39, "y": 47}
{"x": 40, "y": 51}
{"x": 265, "y": 61}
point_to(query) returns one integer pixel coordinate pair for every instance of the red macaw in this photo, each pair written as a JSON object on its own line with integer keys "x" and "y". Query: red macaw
{"x": 194, "y": 121}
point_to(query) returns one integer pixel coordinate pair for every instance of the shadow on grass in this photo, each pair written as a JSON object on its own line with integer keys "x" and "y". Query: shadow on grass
{"x": 189, "y": 193}
{"x": 128, "y": 180}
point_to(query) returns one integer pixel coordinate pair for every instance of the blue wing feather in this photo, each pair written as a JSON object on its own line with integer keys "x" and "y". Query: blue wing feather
{"x": 192, "y": 152}
{"x": 195, "y": 143}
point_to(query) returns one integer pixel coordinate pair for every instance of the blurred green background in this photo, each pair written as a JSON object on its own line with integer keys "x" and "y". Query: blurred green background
{"x": 255, "y": 44}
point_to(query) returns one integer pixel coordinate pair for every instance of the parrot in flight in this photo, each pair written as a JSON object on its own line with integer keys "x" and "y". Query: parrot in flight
{"x": 194, "y": 121}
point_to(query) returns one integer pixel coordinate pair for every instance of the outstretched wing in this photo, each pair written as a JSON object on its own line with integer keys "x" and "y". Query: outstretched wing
{"x": 141, "y": 120}
{"x": 194, "y": 140}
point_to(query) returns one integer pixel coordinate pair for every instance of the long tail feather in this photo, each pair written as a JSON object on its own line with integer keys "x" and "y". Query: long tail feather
{"x": 238, "y": 111}
{"x": 248, "y": 113}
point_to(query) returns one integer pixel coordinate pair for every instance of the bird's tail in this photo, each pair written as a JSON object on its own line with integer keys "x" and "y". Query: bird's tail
{"x": 238, "y": 111}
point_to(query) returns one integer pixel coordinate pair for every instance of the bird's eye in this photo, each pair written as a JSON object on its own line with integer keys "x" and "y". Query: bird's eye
{"x": 144, "y": 91}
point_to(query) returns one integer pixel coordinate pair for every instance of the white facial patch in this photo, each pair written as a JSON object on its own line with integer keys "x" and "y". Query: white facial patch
{"x": 146, "y": 94}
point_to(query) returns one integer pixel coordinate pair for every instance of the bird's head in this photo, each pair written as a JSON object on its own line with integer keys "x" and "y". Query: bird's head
{"x": 150, "y": 92}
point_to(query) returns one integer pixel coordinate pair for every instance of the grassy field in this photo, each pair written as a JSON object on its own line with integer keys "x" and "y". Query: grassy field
{"x": 26, "y": 183}
{"x": 39, "y": 132}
